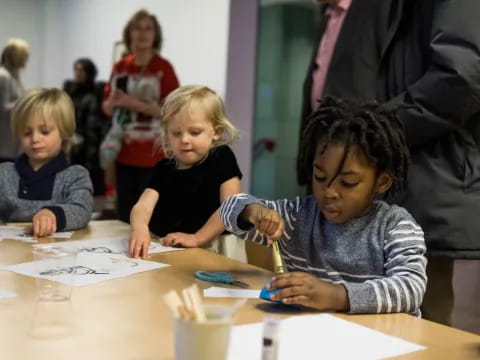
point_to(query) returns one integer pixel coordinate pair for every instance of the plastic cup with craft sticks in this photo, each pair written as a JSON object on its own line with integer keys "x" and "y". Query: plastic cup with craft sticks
{"x": 201, "y": 331}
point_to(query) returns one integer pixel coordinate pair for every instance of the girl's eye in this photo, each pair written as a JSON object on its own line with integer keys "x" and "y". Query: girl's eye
{"x": 45, "y": 132}
{"x": 176, "y": 133}
{"x": 319, "y": 178}
{"x": 196, "y": 132}
{"x": 349, "y": 184}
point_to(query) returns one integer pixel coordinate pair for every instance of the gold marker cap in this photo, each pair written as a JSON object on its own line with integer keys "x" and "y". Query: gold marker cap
{"x": 277, "y": 259}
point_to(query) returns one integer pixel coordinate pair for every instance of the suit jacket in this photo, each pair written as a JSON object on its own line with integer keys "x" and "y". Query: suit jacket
{"x": 353, "y": 70}
{"x": 431, "y": 60}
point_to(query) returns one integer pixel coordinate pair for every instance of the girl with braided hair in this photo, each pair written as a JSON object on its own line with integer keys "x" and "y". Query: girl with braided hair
{"x": 345, "y": 249}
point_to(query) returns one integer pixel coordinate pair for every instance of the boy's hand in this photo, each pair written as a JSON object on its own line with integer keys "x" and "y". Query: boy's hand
{"x": 139, "y": 243}
{"x": 44, "y": 223}
{"x": 181, "y": 239}
{"x": 307, "y": 290}
{"x": 265, "y": 220}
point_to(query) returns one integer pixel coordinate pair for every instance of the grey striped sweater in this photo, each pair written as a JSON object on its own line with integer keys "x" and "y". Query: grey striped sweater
{"x": 379, "y": 258}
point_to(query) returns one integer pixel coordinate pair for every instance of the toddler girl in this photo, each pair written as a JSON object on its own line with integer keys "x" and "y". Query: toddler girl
{"x": 200, "y": 171}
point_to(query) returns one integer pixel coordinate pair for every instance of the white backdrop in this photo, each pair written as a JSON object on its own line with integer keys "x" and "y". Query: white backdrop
{"x": 202, "y": 39}
{"x": 60, "y": 31}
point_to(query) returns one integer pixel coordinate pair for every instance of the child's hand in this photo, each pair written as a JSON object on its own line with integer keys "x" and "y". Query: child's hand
{"x": 44, "y": 223}
{"x": 139, "y": 243}
{"x": 181, "y": 239}
{"x": 307, "y": 290}
{"x": 265, "y": 220}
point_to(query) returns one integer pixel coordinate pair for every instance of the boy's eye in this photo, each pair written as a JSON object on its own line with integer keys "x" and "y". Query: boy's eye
{"x": 349, "y": 184}
{"x": 319, "y": 178}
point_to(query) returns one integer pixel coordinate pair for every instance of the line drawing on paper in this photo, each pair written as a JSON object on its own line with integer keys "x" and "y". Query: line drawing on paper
{"x": 75, "y": 270}
{"x": 98, "y": 249}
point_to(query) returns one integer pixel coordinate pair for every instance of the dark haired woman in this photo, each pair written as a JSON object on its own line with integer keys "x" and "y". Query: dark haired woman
{"x": 90, "y": 126}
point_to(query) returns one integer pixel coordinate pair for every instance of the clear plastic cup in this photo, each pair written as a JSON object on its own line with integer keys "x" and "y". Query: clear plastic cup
{"x": 55, "y": 266}
{"x": 206, "y": 340}
{"x": 52, "y": 320}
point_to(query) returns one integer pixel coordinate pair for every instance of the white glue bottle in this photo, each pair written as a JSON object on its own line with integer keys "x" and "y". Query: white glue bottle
{"x": 271, "y": 328}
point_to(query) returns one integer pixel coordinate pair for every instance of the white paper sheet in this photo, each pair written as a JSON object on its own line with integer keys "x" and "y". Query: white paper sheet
{"x": 14, "y": 233}
{"x": 318, "y": 337}
{"x": 117, "y": 245}
{"x": 90, "y": 268}
{"x": 22, "y": 238}
{"x": 19, "y": 233}
{"x": 62, "y": 235}
{"x": 215, "y": 291}
{"x": 11, "y": 230}
{"x": 6, "y": 294}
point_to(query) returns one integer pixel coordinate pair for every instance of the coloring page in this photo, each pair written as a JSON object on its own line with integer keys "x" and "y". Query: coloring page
{"x": 117, "y": 245}
{"x": 89, "y": 268}
{"x": 19, "y": 233}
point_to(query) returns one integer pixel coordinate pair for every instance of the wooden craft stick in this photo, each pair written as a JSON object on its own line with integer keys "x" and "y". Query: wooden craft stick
{"x": 174, "y": 302}
{"x": 186, "y": 299}
{"x": 197, "y": 306}
{"x": 186, "y": 314}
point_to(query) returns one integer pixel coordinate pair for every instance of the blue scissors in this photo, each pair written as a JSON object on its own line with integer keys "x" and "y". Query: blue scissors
{"x": 220, "y": 277}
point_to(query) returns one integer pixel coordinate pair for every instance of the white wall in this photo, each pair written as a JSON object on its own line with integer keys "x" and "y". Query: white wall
{"x": 195, "y": 35}
{"x": 60, "y": 31}
{"x": 198, "y": 40}
{"x": 24, "y": 19}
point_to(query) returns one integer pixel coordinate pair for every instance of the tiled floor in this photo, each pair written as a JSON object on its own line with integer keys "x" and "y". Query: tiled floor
{"x": 466, "y": 280}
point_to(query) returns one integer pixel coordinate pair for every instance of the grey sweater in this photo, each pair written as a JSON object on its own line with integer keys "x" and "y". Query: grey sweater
{"x": 71, "y": 200}
{"x": 379, "y": 258}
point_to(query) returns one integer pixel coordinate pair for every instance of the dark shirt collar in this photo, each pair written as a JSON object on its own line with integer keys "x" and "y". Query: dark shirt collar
{"x": 38, "y": 185}
{"x": 25, "y": 170}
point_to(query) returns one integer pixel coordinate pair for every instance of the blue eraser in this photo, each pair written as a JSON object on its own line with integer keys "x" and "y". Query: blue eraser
{"x": 265, "y": 294}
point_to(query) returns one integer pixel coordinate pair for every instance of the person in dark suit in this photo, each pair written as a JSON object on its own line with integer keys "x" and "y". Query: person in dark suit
{"x": 431, "y": 61}
{"x": 345, "y": 62}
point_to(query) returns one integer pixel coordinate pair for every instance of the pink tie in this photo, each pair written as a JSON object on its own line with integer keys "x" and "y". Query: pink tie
{"x": 325, "y": 52}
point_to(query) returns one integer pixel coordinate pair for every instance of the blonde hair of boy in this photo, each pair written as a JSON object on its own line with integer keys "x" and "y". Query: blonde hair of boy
{"x": 181, "y": 99}
{"x": 50, "y": 103}
{"x": 14, "y": 55}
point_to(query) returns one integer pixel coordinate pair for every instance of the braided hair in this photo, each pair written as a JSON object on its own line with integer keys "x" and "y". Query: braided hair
{"x": 372, "y": 128}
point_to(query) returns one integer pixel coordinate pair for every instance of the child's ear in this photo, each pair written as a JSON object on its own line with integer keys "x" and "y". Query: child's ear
{"x": 218, "y": 134}
{"x": 384, "y": 182}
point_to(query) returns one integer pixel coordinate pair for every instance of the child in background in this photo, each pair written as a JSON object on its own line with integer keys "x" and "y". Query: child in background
{"x": 182, "y": 201}
{"x": 40, "y": 186}
{"x": 346, "y": 251}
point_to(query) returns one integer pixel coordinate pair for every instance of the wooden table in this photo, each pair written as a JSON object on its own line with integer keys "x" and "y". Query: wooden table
{"x": 126, "y": 318}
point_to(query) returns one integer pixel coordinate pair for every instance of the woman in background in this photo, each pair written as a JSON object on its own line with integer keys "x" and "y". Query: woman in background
{"x": 139, "y": 82}
{"x": 14, "y": 57}
{"x": 90, "y": 126}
